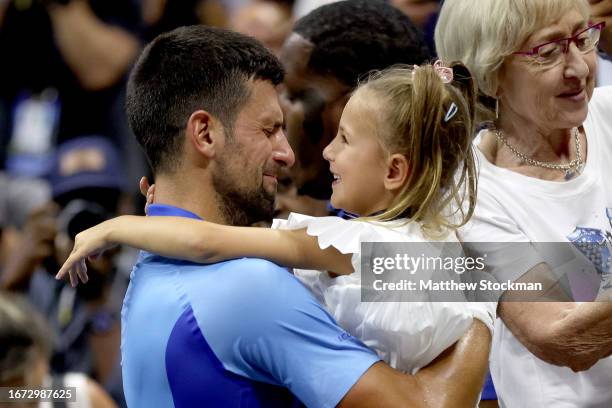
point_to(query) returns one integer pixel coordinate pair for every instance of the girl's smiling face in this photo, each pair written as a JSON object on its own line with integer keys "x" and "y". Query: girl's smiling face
{"x": 356, "y": 157}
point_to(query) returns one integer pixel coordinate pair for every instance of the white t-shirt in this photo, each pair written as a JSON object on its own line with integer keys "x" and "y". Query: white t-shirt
{"x": 407, "y": 335}
{"x": 515, "y": 208}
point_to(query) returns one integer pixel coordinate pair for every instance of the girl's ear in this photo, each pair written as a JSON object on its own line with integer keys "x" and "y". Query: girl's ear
{"x": 397, "y": 172}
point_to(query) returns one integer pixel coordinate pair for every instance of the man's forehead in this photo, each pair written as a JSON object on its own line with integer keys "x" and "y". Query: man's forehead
{"x": 263, "y": 104}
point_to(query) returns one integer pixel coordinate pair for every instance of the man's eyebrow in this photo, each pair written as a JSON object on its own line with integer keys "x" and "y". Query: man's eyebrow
{"x": 275, "y": 122}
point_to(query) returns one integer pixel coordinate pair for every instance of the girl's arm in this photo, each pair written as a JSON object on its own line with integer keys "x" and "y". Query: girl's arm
{"x": 204, "y": 242}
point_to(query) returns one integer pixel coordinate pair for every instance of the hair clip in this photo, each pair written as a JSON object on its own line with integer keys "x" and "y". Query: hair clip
{"x": 445, "y": 73}
{"x": 452, "y": 110}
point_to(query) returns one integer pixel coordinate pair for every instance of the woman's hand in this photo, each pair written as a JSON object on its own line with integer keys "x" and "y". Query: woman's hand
{"x": 87, "y": 244}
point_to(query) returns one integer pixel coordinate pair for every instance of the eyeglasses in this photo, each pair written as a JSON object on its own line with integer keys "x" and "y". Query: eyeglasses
{"x": 551, "y": 53}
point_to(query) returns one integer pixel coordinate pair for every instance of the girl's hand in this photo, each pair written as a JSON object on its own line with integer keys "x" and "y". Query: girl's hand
{"x": 87, "y": 244}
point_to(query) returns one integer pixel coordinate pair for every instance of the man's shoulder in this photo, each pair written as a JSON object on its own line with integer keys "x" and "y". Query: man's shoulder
{"x": 254, "y": 264}
{"x": 250, "y": 277}
{"x": 258, "y": 277}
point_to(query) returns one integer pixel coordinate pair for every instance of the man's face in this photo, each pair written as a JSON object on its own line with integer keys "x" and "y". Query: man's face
{"x": 245, "y": 176}
{"x": 312, "y": 105}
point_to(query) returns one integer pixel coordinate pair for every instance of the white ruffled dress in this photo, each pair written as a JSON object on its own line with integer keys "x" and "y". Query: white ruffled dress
{"x": 407, "y": 335}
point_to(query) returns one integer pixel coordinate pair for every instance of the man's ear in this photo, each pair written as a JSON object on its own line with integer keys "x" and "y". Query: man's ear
{"x": 397, "y": 172}
{"x": 204, "y": 132}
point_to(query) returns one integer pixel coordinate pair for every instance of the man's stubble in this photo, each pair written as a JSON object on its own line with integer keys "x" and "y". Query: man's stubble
{"x": 240, "y": 204}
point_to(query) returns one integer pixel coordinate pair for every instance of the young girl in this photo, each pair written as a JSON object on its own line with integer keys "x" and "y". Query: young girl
{"x": 401, "y": 161}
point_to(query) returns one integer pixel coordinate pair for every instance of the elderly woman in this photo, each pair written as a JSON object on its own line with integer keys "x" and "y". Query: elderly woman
{"x": 544, "y": 176}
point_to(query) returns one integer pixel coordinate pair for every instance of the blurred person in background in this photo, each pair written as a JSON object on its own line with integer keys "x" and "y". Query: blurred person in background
{"x": 19, "y": 198}
{"x": 25, "y": 350}
{"x": 326, "y": 54}
{"x": 160, "y": 16}
{"x": 269, "y": 22}
{"x": 62, "y": 73}
{"x": 601, "y": 10}
{"x": 87, "y": 183}
{"x": 423, "y": 13}
{"x": 303, "y": 7}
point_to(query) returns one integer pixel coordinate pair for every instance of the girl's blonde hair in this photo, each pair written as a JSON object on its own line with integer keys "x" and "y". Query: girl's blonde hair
{"x": 417, "y": 110}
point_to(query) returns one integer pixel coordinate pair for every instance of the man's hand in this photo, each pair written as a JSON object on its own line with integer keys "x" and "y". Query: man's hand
{"x": 601, "y": 10}
{"x": 454, "y": 379}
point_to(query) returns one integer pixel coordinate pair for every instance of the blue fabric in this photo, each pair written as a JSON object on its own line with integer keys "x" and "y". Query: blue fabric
{"x": 243, "y": 333}
{"x": 170, "y": 211}
{"x": 488, "y": 391}
{"x": 338, "y": 212}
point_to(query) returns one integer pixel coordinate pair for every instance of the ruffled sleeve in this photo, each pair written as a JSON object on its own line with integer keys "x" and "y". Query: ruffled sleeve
{"x": 344, "y": 235}
{"x": 347, "y": 235}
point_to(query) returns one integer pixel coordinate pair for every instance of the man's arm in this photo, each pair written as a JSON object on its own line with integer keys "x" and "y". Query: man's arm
{"x": 283, "y": 335}
{"x": 454, "y": 379}
{"x": 99, "y": 54}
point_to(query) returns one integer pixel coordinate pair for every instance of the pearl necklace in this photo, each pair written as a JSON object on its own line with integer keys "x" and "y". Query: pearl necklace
{"x": 571, "y": 169}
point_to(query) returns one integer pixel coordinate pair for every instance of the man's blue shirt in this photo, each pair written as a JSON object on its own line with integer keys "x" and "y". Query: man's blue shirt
{"x": 241, "y": 333}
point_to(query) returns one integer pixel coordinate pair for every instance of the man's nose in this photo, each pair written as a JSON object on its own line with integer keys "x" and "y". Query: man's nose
{"x": 282, "y": 150}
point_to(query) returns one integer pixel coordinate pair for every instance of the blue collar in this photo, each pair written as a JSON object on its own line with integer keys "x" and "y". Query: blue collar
{"x": 169, "y": 211}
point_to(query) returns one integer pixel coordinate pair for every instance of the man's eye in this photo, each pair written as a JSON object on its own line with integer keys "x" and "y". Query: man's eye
{"x": 268, "y": 132}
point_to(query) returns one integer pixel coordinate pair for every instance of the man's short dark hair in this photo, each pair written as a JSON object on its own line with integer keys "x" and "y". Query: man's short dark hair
{"x": 185, "y": 70}
{"x": 354, "y": 37}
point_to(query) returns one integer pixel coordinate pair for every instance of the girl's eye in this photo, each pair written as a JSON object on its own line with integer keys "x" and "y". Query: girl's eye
{"x": 343, "y": 139}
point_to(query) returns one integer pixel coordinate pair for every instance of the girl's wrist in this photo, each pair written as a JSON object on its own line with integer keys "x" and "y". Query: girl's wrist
{"x": 111, "y": 227}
